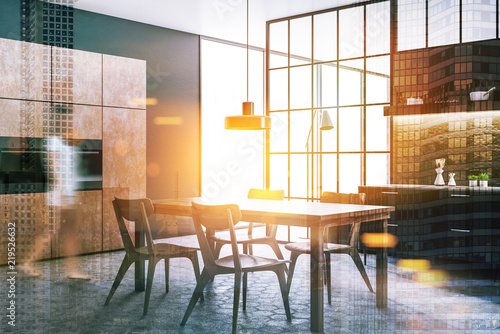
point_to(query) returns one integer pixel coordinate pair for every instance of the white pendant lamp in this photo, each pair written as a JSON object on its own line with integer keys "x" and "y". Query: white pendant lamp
{"x": 326, "y": 122}
{"x": 248, "y": 121}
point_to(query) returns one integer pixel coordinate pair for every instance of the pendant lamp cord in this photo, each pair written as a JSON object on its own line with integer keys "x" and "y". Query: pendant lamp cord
{"x": 247, "y": 54}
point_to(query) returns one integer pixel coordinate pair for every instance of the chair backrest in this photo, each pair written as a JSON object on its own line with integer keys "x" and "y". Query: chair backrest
{"x": 331, "y": 197}
{"x": 213, "y": 218}
{"x": 266, "y": 194}
{"x": 276, "y": 195}
{"x": 134, "y": 210}
{"x": 343, "y": 198}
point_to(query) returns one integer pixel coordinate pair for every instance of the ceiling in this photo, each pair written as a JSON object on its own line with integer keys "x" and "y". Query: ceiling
{"x": 224, "y": 19}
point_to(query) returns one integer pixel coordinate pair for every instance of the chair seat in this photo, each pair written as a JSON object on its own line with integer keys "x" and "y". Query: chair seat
{"x": 165, "y": 249}
{"x": 305, "y": 247}
{"x": 241, "y": 237}
{"x": 249, "y": 262}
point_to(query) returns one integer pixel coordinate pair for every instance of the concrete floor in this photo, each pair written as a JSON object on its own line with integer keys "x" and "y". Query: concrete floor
{"x": 53, "y": 303}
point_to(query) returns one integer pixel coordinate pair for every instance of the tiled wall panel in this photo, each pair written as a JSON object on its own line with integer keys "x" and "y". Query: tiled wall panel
{"x": 24, "y": 69}
{"x": 69, "y": 105}
{"x": 124, "y": 82}
{"x": 80, "y": 228}
{"x": 76, "y": 76}
{"x": 124, "y": 165}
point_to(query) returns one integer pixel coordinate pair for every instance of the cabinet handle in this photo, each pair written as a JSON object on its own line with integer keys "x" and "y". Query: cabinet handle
{"x": 459, "y": 195}
{"x": 390, "y": 192}
{"x": 459, "y": 230}
{"x": 393, "y": 225}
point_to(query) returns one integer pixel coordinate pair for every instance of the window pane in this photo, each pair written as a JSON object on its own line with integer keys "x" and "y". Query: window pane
{"x": 377, "y": 28}
{"x": 377, "y": 169}
{"x": 279, "y": 172}
{"x": 377, "y": 129}
{"x": 300, "y": 41}
{"x": 325, "y": 37}
{"x": 298, "y": 175}
{"x": 350, "y": 129}
{"x": 351, "y": 35}
{"x": 329, "y": 172}
{"x": 478, "y": 20}
{"x": 279, "y": 132}
{"x": 444, "y": 22}
{"x": 278, "y": 42}
{"x": 325, "y": 78}
{"x": 411, "y": 24}
{"x": 350, "y": 79}
{"x": 232, "y": 161}
{"x": 300, "y": 124}
{"x": 278, "y": 89}
{"x": 300, "y": 87}
{"x": 349, "y": 173}
{"x": 378, "y": 80}
{"x": 329, "y": 137}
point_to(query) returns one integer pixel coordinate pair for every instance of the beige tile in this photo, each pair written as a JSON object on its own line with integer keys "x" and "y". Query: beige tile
{"x": 87, "y": 122}
{"x": 124, "y": 82}
{"x": 24, "y": 69}
{"x": 124, "y": 164}
{"x": 10, "y": 118}
{"x": 80, "y": 227}
{"x": 111, "y": 238}
{"x": 77, "y": 76}
{"x": 29, "y": 213}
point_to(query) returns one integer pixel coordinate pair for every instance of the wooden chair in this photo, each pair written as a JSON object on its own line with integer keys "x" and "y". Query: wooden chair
{"x": 350, "y": 248}
{"x": 138, "y": 210}
{"x": 248, "y": 239}
{"x": 219, "y": 217}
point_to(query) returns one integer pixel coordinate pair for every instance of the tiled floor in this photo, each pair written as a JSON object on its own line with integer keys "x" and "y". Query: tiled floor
{"x": 53, "y": 303}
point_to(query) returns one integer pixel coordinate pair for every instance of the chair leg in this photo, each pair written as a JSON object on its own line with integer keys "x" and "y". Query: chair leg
{"x": 218, "y": 247}
{"x": 293, "y": 258}
{"x": 198, "y": 291}
{"x": 284, "y": 292}
{"x": 167, "y": 269}
{"x": 246, "y": 247}
{"x": 236, "y": 302}
{"x": 196, "y": 266}
{"x": 126, "y": 263}
{"x": 151, "y": 273}
{"x": 245, "y": 284}
{"x": 276, "y": 248}
{"x": 357, "y": 260}
{"x": 328, "y": 277}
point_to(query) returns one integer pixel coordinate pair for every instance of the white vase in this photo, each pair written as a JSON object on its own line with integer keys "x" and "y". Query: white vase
{"x": 483, "y": 184}
{"x": 472, "y": 183}
{"x": 439, "y": 177}
{"x": 451, "y": 179}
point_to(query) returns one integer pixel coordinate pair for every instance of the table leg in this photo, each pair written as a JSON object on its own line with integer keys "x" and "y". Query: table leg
{"x": 317, "y": 265}
{"x": 382, "y": 269}
{"x": 140, "y": 272}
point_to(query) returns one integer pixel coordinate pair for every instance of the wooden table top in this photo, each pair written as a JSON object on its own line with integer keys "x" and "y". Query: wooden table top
{"x": 293, "y": 213}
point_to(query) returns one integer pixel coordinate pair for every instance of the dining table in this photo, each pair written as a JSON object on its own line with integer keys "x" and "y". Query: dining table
{"x": 313, "y": 215}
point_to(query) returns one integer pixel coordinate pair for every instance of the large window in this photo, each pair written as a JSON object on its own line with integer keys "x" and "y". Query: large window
{"x": 232, "y": 161}
{"x": 428, "y": 23}
{"x": 334, "y": 62}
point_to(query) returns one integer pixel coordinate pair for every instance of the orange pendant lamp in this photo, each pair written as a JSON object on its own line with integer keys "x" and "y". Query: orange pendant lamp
{"x": 248, "y": 121}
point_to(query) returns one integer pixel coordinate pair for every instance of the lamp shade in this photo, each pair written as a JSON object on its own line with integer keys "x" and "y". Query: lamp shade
{"x": 248, "y": 121}
{"x": 326, "y": 122}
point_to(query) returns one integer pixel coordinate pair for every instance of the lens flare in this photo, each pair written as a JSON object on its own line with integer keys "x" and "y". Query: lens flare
{"x": 414, "y": 265}
{"x": 434, "y": 278}
{"x": 379, "y": 240}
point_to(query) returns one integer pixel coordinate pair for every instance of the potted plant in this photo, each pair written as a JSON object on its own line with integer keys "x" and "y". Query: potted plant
{"x": 483, "y": 180}
{"x": 472, "y": 180}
